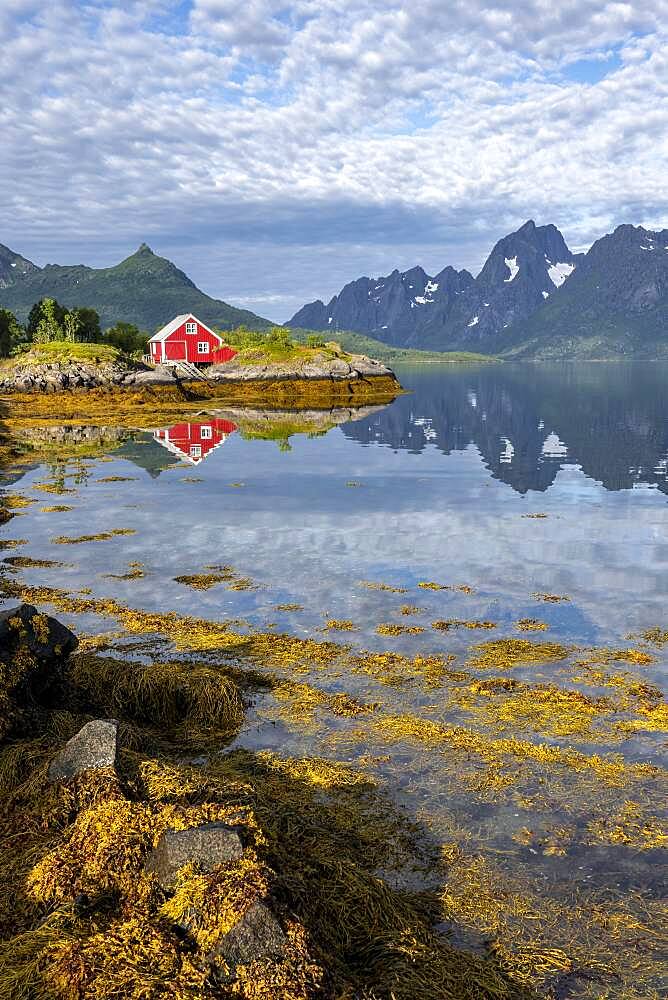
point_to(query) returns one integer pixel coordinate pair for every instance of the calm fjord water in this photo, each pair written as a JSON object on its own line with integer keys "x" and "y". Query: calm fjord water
{"x": 443, "y": 487}
{"x": 432, "y": 487}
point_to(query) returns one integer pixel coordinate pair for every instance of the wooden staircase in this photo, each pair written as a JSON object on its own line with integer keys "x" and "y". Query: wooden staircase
{"x": 188, "y": 370}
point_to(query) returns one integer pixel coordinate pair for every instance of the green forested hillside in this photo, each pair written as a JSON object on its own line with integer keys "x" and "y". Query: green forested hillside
{"x": 359, "y": 343}
{"x": 144, "y": 289}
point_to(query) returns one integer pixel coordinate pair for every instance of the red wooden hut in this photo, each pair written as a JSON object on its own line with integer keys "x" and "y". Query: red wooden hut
{"x": 187, "y": 339}
{"x": 193, "y": 442}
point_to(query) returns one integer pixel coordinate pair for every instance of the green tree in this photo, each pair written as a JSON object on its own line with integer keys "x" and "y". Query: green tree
{"x": 51, "y": 312}
{"x": 315, "y": 340}
{"x": 89, "y": 331}
{"x": 51, "y": 322}
{"x": 34, "y": 317}
{"x": 280, "y": 336}
{"x": 72, "y": 326}
{"x": 242, "y": 337}
{"x": 127, "y": 337}
{"x": 10, "y": 332}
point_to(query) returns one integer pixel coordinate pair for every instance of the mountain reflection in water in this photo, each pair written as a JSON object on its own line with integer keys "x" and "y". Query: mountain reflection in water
{"x": 528, "y": 422}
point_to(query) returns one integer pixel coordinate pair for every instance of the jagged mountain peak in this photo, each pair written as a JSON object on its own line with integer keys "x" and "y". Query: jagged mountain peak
{"x": 533, "y": 257}
{"x": 412, "y": 308}
{"x": 13, "y": 266}
{"x": 634, "y": 237}
{"x": 385, "y": 306}
{"x": 614, "y": 304}
{"x": 547, "y": 240}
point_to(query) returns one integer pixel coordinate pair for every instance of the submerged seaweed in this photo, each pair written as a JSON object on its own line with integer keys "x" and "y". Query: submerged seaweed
{"x": 501, "y": 752}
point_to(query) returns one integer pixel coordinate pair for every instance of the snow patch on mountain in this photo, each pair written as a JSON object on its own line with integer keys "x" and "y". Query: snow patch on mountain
{"x": 559, "y": 272}
{"x": 513, "y": 267}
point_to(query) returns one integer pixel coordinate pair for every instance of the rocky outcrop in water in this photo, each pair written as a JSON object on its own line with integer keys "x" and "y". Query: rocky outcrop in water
{"x": 357, "y": 367}
{"x": 60, "y": 377}
{"x": 204, "y": 890}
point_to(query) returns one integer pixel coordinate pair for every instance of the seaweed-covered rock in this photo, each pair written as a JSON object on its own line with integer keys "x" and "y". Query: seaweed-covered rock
{"x": 95, "y": 746}
{"x": 33, "y": 652}
{"x": 206, "y": 846}
{"x": 45, "y": 637}
{"x": 256, "y": 936}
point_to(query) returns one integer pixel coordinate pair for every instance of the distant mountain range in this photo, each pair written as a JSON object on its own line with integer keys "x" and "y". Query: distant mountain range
{"x": 143, "y": 289}
{"x": 533, "y": 298}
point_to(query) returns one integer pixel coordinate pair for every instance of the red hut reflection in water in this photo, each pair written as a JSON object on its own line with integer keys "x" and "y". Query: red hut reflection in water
{"x": 194, "y": 442}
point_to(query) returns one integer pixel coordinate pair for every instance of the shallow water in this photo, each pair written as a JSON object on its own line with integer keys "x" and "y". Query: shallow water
{"x": 437, "y": 487}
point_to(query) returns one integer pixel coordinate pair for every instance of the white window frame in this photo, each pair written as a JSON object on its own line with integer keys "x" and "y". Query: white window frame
{"x": 191, "y": 327}
{"x": 195, "y": 451}
{"x": 206, "y": 432}
{"x": 203, "y": 347}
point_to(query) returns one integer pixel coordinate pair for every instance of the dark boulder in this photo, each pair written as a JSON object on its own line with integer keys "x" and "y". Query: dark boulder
{"x": 95, "y": 746}
{"x": 33, "y": 652}
{"x": 27, "y": 627}
{"x": 206, "y": 846}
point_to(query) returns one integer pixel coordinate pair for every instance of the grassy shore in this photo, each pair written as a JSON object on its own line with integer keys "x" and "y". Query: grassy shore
{"x": 63, "y": 352}
{"x": 359, "y": 343}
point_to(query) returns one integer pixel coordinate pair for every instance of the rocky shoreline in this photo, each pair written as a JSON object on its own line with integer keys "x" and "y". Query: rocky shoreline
{"x": 67, "y": 376}
{"x": 141, "y": 858}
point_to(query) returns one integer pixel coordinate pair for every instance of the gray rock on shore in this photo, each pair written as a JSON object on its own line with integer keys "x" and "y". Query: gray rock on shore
{"x": 256, "y": 935}
{"x": 95, "y": 746}
{"x": 206, "y": 846}
{"x": 57, "y": 376}
{"x": 160, "y": 375}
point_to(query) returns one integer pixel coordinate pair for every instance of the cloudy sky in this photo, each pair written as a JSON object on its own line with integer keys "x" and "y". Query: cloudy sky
{"x": 275, "y": 150}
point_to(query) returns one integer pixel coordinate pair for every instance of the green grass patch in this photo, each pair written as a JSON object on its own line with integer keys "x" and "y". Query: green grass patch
{"x": 297, "y": 354}
{"x": 278, "y": 346}
{"x": 63, "y": 351}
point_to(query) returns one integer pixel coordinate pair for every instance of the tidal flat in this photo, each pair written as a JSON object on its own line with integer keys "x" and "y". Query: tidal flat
{"x": 433, "y": 705}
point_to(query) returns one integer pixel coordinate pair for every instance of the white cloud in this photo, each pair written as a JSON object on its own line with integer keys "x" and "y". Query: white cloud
{"x": 384, "y": 133}
{"x": 246, "y": 24}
